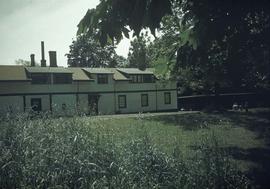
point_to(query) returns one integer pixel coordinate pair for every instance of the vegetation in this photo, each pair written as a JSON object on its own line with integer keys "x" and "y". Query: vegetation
{"x": 209, "y": 47}
{"x": 138, "y": 55}
{"x": 87, "y": 52}
{"x": 177, "y": 151}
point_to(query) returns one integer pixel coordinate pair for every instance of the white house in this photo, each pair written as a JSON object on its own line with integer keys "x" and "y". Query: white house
{"x": 83, "y": 90}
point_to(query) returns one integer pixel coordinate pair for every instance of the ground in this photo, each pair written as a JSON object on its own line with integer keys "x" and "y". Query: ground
{"x": 243, "y": 135}
{"x": 160, "y": 149}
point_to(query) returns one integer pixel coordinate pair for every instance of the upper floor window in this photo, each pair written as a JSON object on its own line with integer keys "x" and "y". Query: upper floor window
{"x": 61, "y": 78}
{"x": 40, "y": 78}
{"x": 148, "y": 79}
{"x": 102, "y": 78}
{"x": 167, "y": 98}
{"x": 135, "y": 78}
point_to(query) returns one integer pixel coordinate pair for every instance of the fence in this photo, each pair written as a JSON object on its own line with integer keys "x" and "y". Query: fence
{"x": 199, "y": 102}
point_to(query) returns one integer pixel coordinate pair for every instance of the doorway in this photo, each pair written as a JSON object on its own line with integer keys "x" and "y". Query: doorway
{"x": 36, "y": 104}
{"x": 93, "y": 104}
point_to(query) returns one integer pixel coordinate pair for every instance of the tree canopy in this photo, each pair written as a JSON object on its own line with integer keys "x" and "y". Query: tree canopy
{"x": 87, "y": 52}
{"x": 138, "y": 56}
{"x": 213, "y": 43}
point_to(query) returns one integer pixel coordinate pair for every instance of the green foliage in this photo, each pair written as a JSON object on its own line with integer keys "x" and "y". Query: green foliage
{"x": 138, "y": 55}
{"x": 86, "y": 153}
{"x": 22, "y": 62}
{"x": 111, "y": 17}
{"x": 87, "y": 52}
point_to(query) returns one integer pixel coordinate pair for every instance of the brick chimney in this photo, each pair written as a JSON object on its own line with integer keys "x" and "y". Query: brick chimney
{"x": 32, "y": 56}
{"x": 53, "y": 59}
{"x": 43, "y": 61}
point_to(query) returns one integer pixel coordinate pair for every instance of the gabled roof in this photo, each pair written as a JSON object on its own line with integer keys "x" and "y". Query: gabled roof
{"x": 79, "y": 75}
{"x": 48, "y": 70}
{"x": 12, "y": 73}
{"x": 118, "y": 76}
{"x": 134, "y": 71}
{"x": 98, "y": 70}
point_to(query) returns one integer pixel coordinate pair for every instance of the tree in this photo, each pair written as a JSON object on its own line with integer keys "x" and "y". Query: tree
{"x": 137, "y": 56}
{"x": 111, "y": 17}
{"x": 22, "y": 62}
{"x": 87, "y": 52}
{"x": 227, "y": 42}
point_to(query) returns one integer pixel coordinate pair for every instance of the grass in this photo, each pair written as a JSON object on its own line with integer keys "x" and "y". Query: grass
{"x": 200, "y": 150}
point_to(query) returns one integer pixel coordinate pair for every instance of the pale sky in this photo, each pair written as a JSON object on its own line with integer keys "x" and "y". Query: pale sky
{"x": 25, "y": 23}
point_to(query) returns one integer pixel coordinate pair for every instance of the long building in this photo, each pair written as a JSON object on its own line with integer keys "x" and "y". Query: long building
{"x": 87, "y": 91}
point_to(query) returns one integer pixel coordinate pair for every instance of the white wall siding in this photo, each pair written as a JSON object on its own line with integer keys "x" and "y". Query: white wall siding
{"x": 106, "y": 104}
{"x": 161, "y": 100}
{"x": 67, "y": 100}
{"x": 133, "y": 102}
{"x": 11, "y": 104}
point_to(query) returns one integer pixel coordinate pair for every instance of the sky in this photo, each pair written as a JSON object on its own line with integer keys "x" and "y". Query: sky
{"x": 25, "y": 23}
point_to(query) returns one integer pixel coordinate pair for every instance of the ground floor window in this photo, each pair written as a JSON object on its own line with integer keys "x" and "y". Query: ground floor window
{"x": 36, "y": 104}
{"x": 167, "y": 98}
{"x": 122, "y": 101}
{"x": 144, "y": 100}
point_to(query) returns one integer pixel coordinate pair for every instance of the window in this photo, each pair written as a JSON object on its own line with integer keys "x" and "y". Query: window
{"x": 142, "y": 78}
{"x": 36, "y": 104}
{"x": 144, "y": 100}
{"x": 40, "y": 78}
{"x": 167, "y": 98}
{"x": 61, "y": 78}
{"x": 148, "y": 79}
{"x": 102, "y": 78}
{"x": 122, "y": 101}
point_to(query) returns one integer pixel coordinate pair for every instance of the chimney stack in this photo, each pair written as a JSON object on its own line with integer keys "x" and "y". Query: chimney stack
{"x": 32, "y": 56}
{"x": 43, "y": 61}
{"x": 53, "y": 59}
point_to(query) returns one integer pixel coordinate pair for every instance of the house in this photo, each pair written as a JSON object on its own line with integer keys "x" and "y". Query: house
{"x": 83, "y": 90}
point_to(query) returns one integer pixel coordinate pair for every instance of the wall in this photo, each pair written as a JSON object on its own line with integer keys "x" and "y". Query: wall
{"x": 161, "y": 101}
{"x": 12, "y": 104}
{"x": 108, "y": 101}
{"x": 45, "y": 102}
{"x": 133, "y": 102}
{"x": 106, "y": 104}
{"x": 58, "y": 101}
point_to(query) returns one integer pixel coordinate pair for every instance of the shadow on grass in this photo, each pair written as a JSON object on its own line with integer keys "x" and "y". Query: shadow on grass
{"x": 259, "y": 174}
{"x": 257, "y": 121}
{"x": 189, "y": 121}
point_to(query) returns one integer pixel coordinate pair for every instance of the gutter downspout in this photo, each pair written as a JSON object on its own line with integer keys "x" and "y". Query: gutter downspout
{"x": 114, "y": 93}
{"x": 156, "y": 99}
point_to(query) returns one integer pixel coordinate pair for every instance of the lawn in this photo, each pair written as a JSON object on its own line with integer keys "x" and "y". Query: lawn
{"x": 195, "y": 150}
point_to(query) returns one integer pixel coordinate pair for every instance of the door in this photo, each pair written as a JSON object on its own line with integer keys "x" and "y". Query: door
{"x": 36, "y": 104}
{"x": 93, "y": 104}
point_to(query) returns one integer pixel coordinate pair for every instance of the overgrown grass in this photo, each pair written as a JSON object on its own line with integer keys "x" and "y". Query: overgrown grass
{"x": 142, "y": 152}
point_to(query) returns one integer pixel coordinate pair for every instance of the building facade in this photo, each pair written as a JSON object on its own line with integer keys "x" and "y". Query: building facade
{"x": 66, "y": 91}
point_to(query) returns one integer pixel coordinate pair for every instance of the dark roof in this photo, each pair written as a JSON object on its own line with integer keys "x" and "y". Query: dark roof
{"x": 79, "y": 75}
{"x": 118, "y": 76}
{"x": 48, "y": 70}
{"x": 12, "y": 73}
{"x": 135, "y": 71}
{"x": 98, "y": 70}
